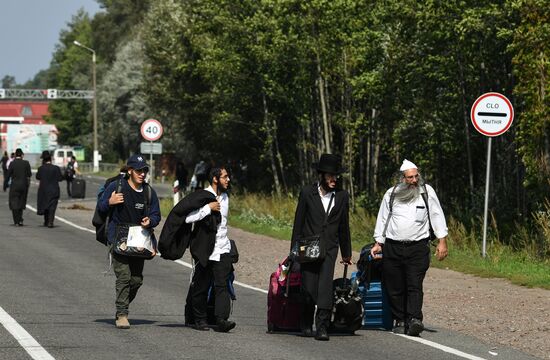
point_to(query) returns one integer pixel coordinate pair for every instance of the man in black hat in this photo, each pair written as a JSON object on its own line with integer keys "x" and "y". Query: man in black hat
{"x": 19, "y": 171}
{"x": 323, "y": 210}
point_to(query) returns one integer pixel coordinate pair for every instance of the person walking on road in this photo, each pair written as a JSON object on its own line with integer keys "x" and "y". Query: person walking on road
{"x": 128, "y": 206}
{"x": 70, "y": 173}
{"x": 407, "y": 213}
{"x": 19, "y": 173}
{"x": 211, "y": 253}
{"x": 5, "y": 159}
{"x": 323, "y": 210}
{"x": 49, "y": 176}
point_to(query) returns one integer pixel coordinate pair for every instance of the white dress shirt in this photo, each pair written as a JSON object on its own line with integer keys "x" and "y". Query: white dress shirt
{"x": 409, "y": 221}
{"x": 222, "y": 245}
{"x": 325, "y": 199}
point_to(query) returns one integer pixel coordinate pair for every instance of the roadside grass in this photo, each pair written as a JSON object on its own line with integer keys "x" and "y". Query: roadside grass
{"x": 272, "y": 216}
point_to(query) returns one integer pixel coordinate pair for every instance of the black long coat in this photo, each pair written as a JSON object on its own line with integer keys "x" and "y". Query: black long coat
{"x": 48, "y": 191}
{"x": 308, "y": 220}
{"x": 20, "y": 174}
{"x": 177, "y": 235}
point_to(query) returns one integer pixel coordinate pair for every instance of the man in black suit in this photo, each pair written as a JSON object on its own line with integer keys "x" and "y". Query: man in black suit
{"x": 317, "y": 201}
{"x": 20, "y": 174}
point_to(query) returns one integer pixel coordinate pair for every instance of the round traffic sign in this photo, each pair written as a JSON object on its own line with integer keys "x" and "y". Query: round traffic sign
{"x": 151, "y": 130}
{"x": 492, "y": 114}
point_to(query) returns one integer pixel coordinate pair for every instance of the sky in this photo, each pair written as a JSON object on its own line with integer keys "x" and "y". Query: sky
{"x": 30, "y": 30}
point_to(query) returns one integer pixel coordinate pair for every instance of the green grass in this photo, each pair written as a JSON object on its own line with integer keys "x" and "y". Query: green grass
{"x": 274, "y": 216}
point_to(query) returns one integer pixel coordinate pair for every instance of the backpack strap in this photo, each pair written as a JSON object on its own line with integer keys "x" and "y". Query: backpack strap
{"x": 425, "y": 198}
{"x": 392, "y": 198}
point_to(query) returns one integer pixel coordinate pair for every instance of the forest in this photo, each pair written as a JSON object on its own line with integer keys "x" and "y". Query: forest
{"x": 269, "y": 85}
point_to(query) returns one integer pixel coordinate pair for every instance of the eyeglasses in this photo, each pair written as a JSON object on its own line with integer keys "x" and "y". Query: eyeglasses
{"x": 336, "y": 176}
{"x": 225, "y": 177}
{"x": 410, "y": 177}
{"x": 141, "y": 171}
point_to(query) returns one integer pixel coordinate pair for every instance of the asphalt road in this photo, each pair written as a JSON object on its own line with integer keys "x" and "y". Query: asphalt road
{"x": 53, "y": 284}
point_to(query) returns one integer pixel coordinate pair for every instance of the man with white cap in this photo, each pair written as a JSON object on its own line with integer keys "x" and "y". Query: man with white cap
{"x": 409, "y": 212}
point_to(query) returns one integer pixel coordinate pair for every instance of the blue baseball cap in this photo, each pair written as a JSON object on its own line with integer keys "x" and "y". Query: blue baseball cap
{"x": 137, "y": 162}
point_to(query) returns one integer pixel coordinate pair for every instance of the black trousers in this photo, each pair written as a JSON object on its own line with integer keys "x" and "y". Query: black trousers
{"x": 49, "y": 216}
{"x": 17, "y": 216}
{"x": 317, "y": 289}
{"x": 404, "y": 268}
{"x": 218, "y": 272}
{"x": 69, "y": 187}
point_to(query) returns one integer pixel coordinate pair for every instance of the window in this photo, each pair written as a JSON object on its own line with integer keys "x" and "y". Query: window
{"x": 26, "y": 111}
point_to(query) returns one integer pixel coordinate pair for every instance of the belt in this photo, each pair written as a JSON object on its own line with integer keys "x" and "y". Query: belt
{"x": 406, "y": 242}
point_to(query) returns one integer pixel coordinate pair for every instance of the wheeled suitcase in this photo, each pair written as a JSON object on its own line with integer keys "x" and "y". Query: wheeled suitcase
{"x": 347, "y": 311}
{"x": 78, "y": 188}
{"x": 375, "y": 301}
{"x": 283, "y": 298}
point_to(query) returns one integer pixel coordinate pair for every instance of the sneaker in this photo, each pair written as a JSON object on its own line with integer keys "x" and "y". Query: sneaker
{"x": 201, "y": 325}
{"x": 306, "y": 332}
{"x": 399, "y": 327}
{"x": 225, "y": 325}
{"x": 415, "y": 327}
{"x": 122, "y": 322}
{"x": 322, "y": 334}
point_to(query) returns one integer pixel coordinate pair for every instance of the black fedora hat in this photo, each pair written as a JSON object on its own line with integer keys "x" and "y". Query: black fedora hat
{"x": 329, "y": 163}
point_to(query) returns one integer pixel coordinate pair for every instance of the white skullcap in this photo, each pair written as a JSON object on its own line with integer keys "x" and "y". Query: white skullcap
{"x": 407, "y": 165}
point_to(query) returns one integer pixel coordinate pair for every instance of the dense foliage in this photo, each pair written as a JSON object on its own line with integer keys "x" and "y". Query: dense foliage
{"x": 268, "y": 85}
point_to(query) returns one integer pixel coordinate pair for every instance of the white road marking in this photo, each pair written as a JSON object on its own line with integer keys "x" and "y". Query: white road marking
{"x": 442, "y": 347}
{"x": 31, "y": 346}
{"x": 417, "y": 339}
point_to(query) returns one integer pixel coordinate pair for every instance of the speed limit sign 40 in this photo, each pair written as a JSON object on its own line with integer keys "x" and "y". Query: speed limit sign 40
{"x": 151, "y": 130}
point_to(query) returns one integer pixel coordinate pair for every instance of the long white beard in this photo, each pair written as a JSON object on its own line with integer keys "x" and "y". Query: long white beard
{"x": 405, "y": 193}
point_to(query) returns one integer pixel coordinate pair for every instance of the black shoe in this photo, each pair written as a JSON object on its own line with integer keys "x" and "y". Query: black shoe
{"x": 201, "y": 325}
{"x": 415, "y": 327}
{"x": 307, "y": 332}
{"x": 399, "y": 327}
{"x": 322, "y": 334}
{"x": 225, "y": 325}
{"x": 20, "y": 223}
{"x": 50, "y": 226}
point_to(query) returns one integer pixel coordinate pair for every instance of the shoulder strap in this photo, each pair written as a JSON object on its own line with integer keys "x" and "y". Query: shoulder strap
{"x": 425, "y": 198}
{"x": 392, "y": 198}
{"x": 147, "y": 190}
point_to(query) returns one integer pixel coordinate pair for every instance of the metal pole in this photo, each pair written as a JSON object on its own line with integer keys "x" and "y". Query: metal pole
{"x": 96, "y": 150}
{"x": 152, "y": 175}
{"x": 484, "y": 249}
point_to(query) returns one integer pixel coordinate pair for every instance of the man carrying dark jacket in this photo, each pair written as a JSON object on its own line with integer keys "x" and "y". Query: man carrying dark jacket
{"x": 317, "y": 202}
{"x": 129, "y": 207}
{"x": 200, "y": 222}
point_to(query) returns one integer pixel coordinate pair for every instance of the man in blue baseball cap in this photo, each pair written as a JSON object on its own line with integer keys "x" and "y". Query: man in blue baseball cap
{"x": 134, "y": 202}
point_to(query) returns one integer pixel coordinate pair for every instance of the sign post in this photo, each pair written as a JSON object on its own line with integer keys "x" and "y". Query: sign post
{"x": 151, "y": 130}
{"x": 492, "y": 115}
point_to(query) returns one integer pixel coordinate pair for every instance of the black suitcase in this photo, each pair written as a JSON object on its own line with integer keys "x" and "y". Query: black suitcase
{"x": 347, "y": 310}
{"x": 79, "y": 188}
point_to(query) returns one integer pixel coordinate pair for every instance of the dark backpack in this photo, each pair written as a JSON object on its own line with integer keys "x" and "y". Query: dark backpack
{"x": 69, "y": 171}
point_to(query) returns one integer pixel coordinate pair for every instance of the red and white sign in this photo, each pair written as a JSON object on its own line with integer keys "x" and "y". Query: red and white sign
{"x": 492, "y": 114}
{"x": 151, "y": 130}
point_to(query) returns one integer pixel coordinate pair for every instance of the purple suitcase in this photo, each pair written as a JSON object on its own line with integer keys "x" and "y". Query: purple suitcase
{"x": 283, "y": 299}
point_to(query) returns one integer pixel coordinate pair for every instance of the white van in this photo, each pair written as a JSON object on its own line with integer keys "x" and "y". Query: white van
{"x": 61, "y": 156}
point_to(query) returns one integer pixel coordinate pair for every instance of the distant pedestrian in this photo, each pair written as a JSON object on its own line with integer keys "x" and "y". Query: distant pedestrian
{"x": 181, "y": 176}
{"x": 201, "y": 173}
{"x": 128, "y": 206}
{"x": 323, "y": 212}
{"x": 49, "y": 176}
{"x": 71, "y": 170}
{"x": 19, "y": 173}
{"x": 5, "y": 160}
{"x": 402, "y": 231}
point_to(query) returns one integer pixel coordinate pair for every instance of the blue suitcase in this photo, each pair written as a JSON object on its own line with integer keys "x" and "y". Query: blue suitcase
{"x": 377, "y": 309}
